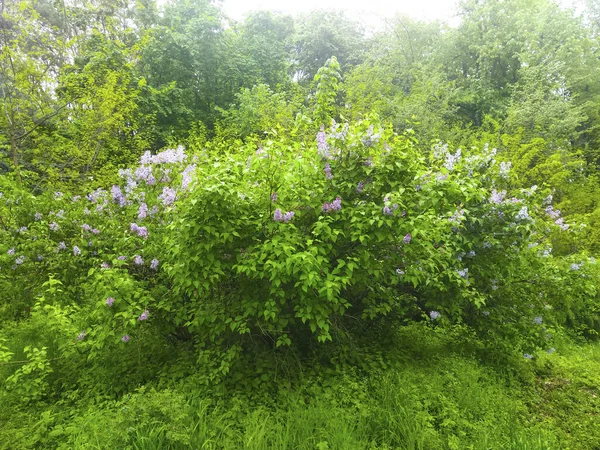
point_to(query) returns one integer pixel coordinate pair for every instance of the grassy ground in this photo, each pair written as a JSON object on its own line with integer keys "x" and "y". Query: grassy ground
{"x": 431, "y": 390}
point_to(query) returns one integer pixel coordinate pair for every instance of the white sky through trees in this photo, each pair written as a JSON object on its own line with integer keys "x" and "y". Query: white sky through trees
{"x": 370, "y": 12}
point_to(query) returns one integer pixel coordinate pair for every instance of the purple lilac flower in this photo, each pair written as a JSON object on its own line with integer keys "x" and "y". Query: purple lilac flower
{"x": 441, "y": 177}
{"x": 434, "y": 315}
{"x": 278, "y": 216}
{"x": 11, "y": 251}
{"x": 575, "y": 266}
{"x": 141, "y": 231}
{"x": 81, "y": 336}
{"x": 154, "y": 264}
{"x": 38, "y": 216}
{"x": 327, "y": 171}
{"x": 523, "y": 214}
{"x": 505, "y": 169}
{"x": 125, "y": 338}
{"x": 76, "y": 251}
{"x": 105, "y": 265}
{"x": 288, "y": 216}
{"x": 186, "y": 176}
{"x": 274, "y": 197}
{"x": 322, "y": 146}
{"x": 388, "y": 211}
{"x": 457, "y": 217}
{"x": 360, "y": 186}
{"x": 20, "y": 260}
{"x": 464, "y": 273}
{"x": 407, "y": 239}
{"x": 399, "y": 272}
{"x": 109, "y": 301}
{"x": 370, "y": 138}
{"x": 61, "y": 246}
{"x": 168, "y": 196}
{"x": 96, "y": 231}
{"x": 86, "y": 227}
{"x": 336, "y": 205}
{"x": 170, "y": 156}
{"x": 451, "y": 160}
{"x": 471, "y": 254}
{"x": 368, "y": 162}
{"x": 122, "y": 258}
{"x": 538, "y": 320}
{"x": 154, "y": 210}
{"x": 95, "y": 195}
{"x": 142, "y": 211}
{"x": 138, "y": 260}
{"x": 144, "y": 315}
{"x": 53, "y": 226}
{"x": 497, "y": 197}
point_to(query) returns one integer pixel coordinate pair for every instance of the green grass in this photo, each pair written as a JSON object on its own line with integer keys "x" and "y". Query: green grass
{"x": 431, "y": 392}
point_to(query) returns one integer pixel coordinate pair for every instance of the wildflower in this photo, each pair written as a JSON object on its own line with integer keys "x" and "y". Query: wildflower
{"x": 11, "y": 251}
{"x": 388, "y": 211}
{"x": 154, "y": 264}
{"x": 434, "y": 315}
{"x": 109, "y": 301}
{"x": 53, "y": 226}
{"x": 81, "y": 336}
{"x": 125, "y": 338}
{"x": 288, "y": 216}
{"x": 538, "y": 320}
{"x": 138, "y": 260}
{"x": 141, "y": 231}
{"x": 407, "y": 239}
{"x": 144, "y": 315}
{"x": 554, "y": 213}
{"x": 336, "y": 205}
{"x": 96, "y": 231}
{"x": 76, "y": 251}
{"x": 278, "y": 216}
{"x": 38, "y": 216}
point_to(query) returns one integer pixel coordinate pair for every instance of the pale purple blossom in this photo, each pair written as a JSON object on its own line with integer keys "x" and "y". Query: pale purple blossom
{"x": 11, "y": 251}
{"x": 278, "y": 216}
{"x": 96, "y": 231}
{"x": 322, "y": 146}
{"x": 76, "y": 251}
{"x": 504, "y": 169}
{"x": 464, "y": 273}
{"x": 141, "y": 231}
{"x": 117, "y": 196}
{"x": 53, "y": 226}
{"x": 288, "y": 216}
{"x": 20, "y": 260}
{"x": 274, "y": 197}
{"x": 538, "y": 320}
{"x": 388, "y": 211}
{"x": 144, "y": 315}
{"x": 327, "y": 171}
{"x": 451, "y": 160}
{"x": 61, "y": 246}
{"x": 87, "y": 212}
{"x": 407, "y": 239}
{"x": 497, "y": 197}
{"x": 576, "y": 266}
{"x": 122, "y": 258}
{"x": 105, "y": 265}
{"x": 81, "y": 336}
{"x": 125, "y": 338}
{"x": 360, "y": 186}
{"x": 154, "y": 264}
{"x": 336, "y": 205}
{"x": 434, "y": 315}
{"x": 38, "y": 216}
{"x": 86, "y": 227}
{"x": 186, "y": 176}
{"x": 168, "y": 196}
{"x": 523, "y": 214}
{"x": 138, "y": 260}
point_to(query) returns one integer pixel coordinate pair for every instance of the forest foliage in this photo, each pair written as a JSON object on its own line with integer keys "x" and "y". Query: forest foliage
{"x": 208, "y": 221}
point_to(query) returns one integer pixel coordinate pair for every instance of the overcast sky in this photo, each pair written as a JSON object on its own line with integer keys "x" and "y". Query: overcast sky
{"x": 371, "y": 12}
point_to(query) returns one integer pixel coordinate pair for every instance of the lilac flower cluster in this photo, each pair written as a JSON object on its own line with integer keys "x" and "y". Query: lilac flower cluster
{"x": 38, "y": 216}
{"x": 555, "y": 214}
{"x": 322, "y": 145}
{"x": 81, "y": 336}
{"x": 11, "y": 251}
{"x": 504, "y": 169}
{"x": 335, "y": 205}
{"x": 20, "y": 260}
{"x": 538, "y": 320}
{"x": 154, "y": 264}
{"x": 451, "y": 160}
{"x": 186, "y": 176}
{"x": 370, "y": 139}
{"x": 280, "y": 217}
{"x": 274, "y": 197}
{"x": 138, "y": 260}
{"x": 523, "y": 214}
{"x": 434, "y": 315}
{"x": 117, "y": 196}
{"x": 53, "y": 226}
{"x": 360, "y": 186}
{"x": 497, "y": 197}
{"x": 458, "y": 216}
{"x": 76, "y": 251}
{"x": 327, "y": 171}
{"x": 86, "y": 228}
{"x": 109, "y": 301}
{"x": 125, "y": 338}
{"x": 464, "y": 273}
{"x": 168, "y": 196}
{"x": 144, "y": 315}
{"x": 144, "y": 173}
{"x": 407, "y": 239}
{"x": 170, "y": 156}
{"x": 141, "y": 231}
{"x": 390, "y": 211}
{"x": 576, "y": 266}
{"x": 61, "y": 246}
